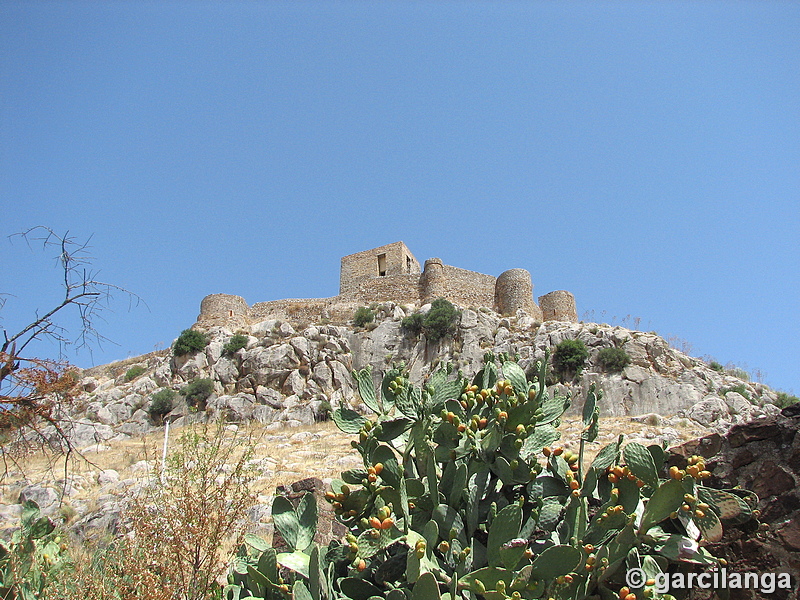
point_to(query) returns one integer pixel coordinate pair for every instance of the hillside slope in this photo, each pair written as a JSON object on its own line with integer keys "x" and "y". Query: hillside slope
{"x": 290, "y": 374}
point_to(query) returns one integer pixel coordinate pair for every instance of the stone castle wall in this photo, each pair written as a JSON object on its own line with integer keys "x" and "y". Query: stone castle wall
{"x": 514, "y": 291}
{"x": 361, "y": 283}
{"x": 402, "y": 289}
{"x": 391, "y": 260}
{"x": 558, "y": 306}
{"x": 467, "y": 288}
{"x": 304, "y": 310}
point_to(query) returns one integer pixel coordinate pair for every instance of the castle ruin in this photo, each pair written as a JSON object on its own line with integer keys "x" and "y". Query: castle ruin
{"x": 392, "y": 273}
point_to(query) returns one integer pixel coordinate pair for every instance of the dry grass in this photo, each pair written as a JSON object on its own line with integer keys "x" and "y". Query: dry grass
{"x": 277, "y": 458}
{"x": 282, "y": 457}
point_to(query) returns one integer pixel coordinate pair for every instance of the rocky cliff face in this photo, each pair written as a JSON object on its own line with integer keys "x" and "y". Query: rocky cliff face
{"x": 762, "y": 456}
{"x": 290, "y": 374}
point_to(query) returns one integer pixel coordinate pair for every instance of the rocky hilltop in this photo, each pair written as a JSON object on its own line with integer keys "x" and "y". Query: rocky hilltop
{"x": 291, "y": 373}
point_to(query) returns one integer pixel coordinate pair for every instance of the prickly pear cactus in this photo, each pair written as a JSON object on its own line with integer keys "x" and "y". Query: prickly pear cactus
{"x": 464, "y": 493}
{"x": 32, "y": 556}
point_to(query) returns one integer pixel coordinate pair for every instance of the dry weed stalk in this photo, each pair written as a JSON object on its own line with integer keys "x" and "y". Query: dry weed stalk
{"x": 178, "y": 529}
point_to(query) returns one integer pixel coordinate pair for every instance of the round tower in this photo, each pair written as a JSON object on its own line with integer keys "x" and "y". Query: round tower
{"x": 433, "y": 280}
{"x": 513, "y": 291}
{"x": 222, "y": 306}
{"x": 558, "y": 306}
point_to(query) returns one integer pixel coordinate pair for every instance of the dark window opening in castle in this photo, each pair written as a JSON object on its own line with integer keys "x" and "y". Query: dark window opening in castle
{"x": 408, "y": 264}
{"x": 382, "y": 265}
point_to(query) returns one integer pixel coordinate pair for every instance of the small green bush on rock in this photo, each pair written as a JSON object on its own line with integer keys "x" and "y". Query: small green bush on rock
{"x": 189, "y": 341}
{"x": 237, "y": 342}
{"x": 440, "y": 321}
{"x": 161, "y": 403}
{"x": 570, "y": 357}
{"x": 412, "y": 324}
{"x": 134, "y": 372}
{"x": 197, "y": 392}
{"x": 785, "y": 400}
{"x": 740, "y": 389}
{"x": 613, "y": 359}
{"x": 363, "y": 316}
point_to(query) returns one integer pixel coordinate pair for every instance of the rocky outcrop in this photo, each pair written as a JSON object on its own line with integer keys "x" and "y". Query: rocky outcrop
{"x": 291, "y": 373}
{"x": 764, "y": 457}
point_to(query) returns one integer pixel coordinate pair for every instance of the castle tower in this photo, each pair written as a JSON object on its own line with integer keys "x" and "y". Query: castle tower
{"x": 384, "y": 261}
{"x": 218, "y": 309}
{"x": 558, "y": 306}
{"x": 433, "y": 284}
{"x": 514, "y": 291}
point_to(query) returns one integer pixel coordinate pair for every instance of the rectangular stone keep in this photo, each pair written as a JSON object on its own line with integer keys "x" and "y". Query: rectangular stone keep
{"x": 402, "y": 289}
{"x": 384, "y": 261}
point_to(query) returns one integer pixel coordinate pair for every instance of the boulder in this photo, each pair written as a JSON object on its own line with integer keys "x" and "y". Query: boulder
{"x": 709, "y": 411}
{"x": 301, "y": 348}
{"x": 295, "y": 384}
{"x": 232, "y": 409}
{"x": 46, "y": 497}
{"x": 226, "y": 370}
{"x": 143, "y": 386}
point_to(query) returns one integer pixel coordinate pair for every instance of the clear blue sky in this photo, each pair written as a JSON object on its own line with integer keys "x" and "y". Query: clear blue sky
{"x": 643, "y": 155}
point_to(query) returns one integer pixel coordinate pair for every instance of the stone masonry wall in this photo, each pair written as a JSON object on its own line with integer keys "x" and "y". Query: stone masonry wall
{"x": 364, "y": 265}
{"x": 468, "y": 288}
{"x": 514, "y": 291}
{"x": 361, "y": 283}
{"x": 403, "y": 289}
{"x": 301, "y": 309}
{"x": 558, "y": 306}
{"x": 222, "y": 305}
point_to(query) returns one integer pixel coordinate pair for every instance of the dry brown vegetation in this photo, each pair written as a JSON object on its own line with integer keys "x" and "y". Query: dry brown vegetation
{"x": 184, "y": 521}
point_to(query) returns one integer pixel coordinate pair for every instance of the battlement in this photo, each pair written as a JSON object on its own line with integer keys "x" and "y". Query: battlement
{"x": 392, "y": 273}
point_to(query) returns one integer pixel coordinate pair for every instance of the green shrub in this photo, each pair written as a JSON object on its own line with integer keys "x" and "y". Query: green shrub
{"x": 740, "y": 373}
{"x": 197, "y": 392}
{"x": 190, "y": 340}
{"x": 570, "y": 357}
{"x": 739, "y": 389}
{"x": 440, "y": 321}
{"x": 412, "y": 324}
{"x": 237, "y": 342}
{"x": 363, "y": 316}
{"x": 161, "y": 403}
{"x": 324, "y": 411}
{"x": 463, "y": 495}
{"x": 715, "y": 366}
{"x": 134, "y": 372}
{"x": 785, "y": 400}
{"x": 613, "y": 360}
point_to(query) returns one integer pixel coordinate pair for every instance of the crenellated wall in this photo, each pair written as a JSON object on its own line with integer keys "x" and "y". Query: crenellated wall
{"x": 392, "y": 273}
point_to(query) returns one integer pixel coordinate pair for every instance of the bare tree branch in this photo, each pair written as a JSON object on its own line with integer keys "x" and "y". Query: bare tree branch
{"x": 36, "y": 394}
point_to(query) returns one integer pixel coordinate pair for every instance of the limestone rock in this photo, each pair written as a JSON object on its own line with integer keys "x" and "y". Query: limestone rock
{"x": 46, "y": 497}
{"x": 469, "y": 319}
{"x": 302, "y": 348}
{"x": 295, "y": 383}
{"x": 214, "y": 351}
{"x": 269, "y": 396}
{"x": 323, "y": 377}
{"x": 190, "y": 366}
{"x": 232, "y": 409}
{"x": 226, "y": 370}
{"x": 708, "y": 411}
